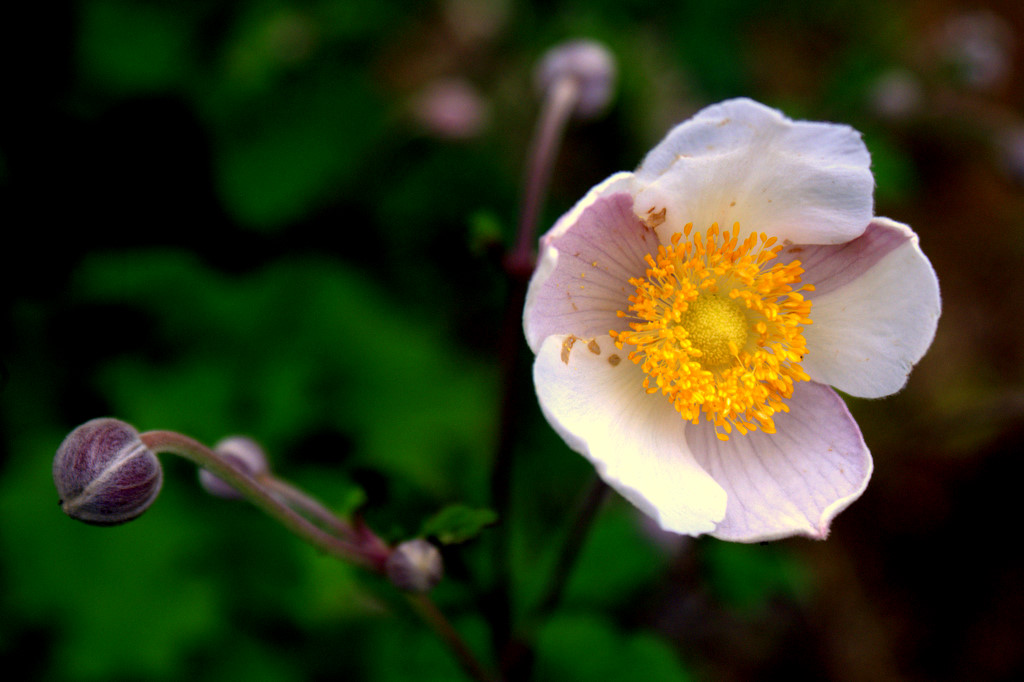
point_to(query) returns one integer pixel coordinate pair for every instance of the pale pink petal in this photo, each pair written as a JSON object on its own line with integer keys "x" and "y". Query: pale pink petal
{"x": 740, "y": 161}
{"x": 792, "y": 482}
{"x": 593, "y": 397}
{"x": 583, "y": 278}
{"x": 622, "y": 181}
{"x": 875, "y": 309}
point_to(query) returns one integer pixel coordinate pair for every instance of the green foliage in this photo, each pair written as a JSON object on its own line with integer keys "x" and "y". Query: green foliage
{"x": 590, "y": 647}
{"x": 894, "y": 174}
{"x": 458, "y": 523}
{"x": 414, "y": 654}
{"x": 289, "y": 350}
{"x": 283, "y": 154}
{"x": 485, "y": 231}
{"x": 134, "y": 48}
{"x": 746, "y": 577}
{"x": 618, "y": 559}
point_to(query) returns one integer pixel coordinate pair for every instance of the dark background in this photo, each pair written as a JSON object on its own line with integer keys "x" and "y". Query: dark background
{"x": 277, "y": 218}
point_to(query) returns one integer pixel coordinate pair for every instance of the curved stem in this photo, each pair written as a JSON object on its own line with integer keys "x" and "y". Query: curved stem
{"x": 361, "y": 546}
{"x": 429, "y": 612}
{"x": 314, "y": 509}
{"x": 183, "y": 446}
{"x": 356, "y": 532}
{"x": 559, "y": 102}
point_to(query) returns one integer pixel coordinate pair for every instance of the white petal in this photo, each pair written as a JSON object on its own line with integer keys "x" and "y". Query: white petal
{"x": 874, "y": 311}
{"x": 740, "y": 161}
{"x": 792, "y": 482}
{"x": 582, "y": 280}
{"x": 596, "y": 403}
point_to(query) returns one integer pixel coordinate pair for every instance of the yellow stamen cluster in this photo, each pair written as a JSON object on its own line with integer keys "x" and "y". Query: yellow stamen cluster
{"x": 718, "y": 329}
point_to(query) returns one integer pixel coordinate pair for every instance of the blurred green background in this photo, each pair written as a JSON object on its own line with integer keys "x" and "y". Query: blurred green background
{"x": 279, "y": 219}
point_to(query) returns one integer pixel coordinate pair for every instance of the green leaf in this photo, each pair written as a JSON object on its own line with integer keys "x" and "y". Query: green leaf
{"x": 458, "y": 523}
{"x": 353, "y": 499}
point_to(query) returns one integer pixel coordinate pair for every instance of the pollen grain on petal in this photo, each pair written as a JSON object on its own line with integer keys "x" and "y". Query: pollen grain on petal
{"x": 655, "y": 218}
{"x": 567, "y": 347}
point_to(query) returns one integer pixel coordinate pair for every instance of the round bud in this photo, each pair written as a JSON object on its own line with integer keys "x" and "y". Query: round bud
{"x": 415, "y": 566}
{"x": 104, "y": 473}
{"x": 451, "y": 109}
{"x": 244, "y": 454}
{"x": 593, "y": 67}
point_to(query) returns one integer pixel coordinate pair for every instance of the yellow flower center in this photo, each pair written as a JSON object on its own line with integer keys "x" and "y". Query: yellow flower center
{"x": 718, "y": 328}
{"x": 715, "y": 326}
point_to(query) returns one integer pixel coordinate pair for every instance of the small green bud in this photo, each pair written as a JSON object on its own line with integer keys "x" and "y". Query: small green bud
{"x": 415, "y": 566}
{"x": 104, "y": 473}
{"x": 245, "y": 455}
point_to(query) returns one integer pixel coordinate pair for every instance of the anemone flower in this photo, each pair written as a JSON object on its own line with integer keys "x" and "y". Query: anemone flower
{"x": 690, "y": 318}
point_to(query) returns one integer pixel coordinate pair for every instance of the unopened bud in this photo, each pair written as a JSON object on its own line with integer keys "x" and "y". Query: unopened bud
{"x": 415, "y": 566}
{"x": 590, "y": 64}
{"x": 104, "y": 473}
{"x": 897, "y": 95}
{"x": 451, "y": 109}
{"x": 245, "y": 455}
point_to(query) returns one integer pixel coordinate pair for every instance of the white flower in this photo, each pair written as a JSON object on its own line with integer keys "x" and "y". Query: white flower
{"x": 688, "y": 319}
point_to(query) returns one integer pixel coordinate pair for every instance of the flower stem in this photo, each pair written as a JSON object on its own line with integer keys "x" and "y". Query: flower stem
{"x": 359, "y": 545}
{"x": 175, "y": 443}
{"x": 559, "y": 102}
{"x": 596, "y": 494}
{"x": 430, "y": 614}
{"x": 520, "y": 661}
{"x": 313, "y": 509}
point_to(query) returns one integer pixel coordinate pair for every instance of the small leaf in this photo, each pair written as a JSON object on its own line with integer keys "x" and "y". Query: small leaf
{"x": 353, "y": 499}
{"x": 485, "y": 231}
{"x": 458, "y": 523}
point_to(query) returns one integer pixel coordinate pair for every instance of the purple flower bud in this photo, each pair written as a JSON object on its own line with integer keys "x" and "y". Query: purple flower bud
{"x": 415, "y": 566}
{"x": 451, "y": 109}
{"x": 593, "y": 67}
{"x": 104, "y": 473}
{"x": 245, "y": 455}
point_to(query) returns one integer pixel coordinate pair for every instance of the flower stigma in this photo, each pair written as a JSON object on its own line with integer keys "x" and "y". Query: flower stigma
{"x": 718, "y": 328}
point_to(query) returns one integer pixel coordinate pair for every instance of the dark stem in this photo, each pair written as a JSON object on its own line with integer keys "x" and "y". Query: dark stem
{"x": 499, "y": 598}
{"x": 428, "y": 611}
{"x": 559, "y": 102}
{"x": 519, "y": 665}
{"x": 575, "y": 539}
